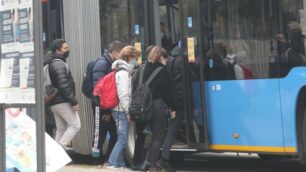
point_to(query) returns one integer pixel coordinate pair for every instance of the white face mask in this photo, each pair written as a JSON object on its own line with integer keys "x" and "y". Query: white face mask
{"x": 133, "y": 62}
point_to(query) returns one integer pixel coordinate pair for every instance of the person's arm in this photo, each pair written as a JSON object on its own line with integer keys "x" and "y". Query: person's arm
{"x": 123, "y": 90}
{"x": 167, "y": 90}
{"x": 100, "y": 69}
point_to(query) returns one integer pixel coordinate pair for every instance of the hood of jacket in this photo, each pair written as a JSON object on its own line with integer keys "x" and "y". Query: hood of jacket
{"x": 50, "y": 56}
{"x": 122, "y": 64}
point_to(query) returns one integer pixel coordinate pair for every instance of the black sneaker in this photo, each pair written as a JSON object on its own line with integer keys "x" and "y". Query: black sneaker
{"x": 136, "y": 167}
{"x": 166, "y": 166}
{"x": 145, "y": 166}
{"x": 155, "y": 169}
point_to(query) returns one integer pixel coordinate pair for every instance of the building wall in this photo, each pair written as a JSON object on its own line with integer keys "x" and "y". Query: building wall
{"x": 82, "y": 32}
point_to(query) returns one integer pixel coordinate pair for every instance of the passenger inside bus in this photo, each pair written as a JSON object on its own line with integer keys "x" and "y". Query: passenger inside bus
{"x": 166, "y": 41}
{"x": 291, "y": 47}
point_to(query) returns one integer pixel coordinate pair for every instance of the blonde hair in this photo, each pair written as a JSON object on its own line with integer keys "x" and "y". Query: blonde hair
{"x": 155, "y": 54}
{"x": 129, "y": 52}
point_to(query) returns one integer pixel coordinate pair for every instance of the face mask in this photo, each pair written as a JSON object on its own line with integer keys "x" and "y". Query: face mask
{"x": 133, "y": 62}
{"x": 66, "y": 54}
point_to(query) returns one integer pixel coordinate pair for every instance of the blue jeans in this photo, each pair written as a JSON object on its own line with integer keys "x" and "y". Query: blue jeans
{"x": 117, "y": 156}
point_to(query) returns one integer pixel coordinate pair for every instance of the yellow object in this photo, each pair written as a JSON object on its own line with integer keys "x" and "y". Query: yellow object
{"x": 237, "y": 148}
{"x": 137, "y": 45}
{"x": 191, "y": 54}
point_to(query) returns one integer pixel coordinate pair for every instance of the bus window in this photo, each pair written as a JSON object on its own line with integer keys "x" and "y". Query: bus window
{"x": 290, "y": 41}
{"x": 169, "y": 24}
{"x": 246, "y": 30}
{"x": 114, "y": 25}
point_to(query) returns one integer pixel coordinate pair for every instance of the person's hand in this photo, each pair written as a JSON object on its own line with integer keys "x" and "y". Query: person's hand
{"x": 76, "y": 107}
{"x": 129, "y": 119}
{"x": 173, "y": 114}
{"x": 106, "y": 118}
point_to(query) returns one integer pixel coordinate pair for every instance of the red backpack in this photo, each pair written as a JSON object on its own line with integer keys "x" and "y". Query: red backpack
{"x": 106, "y": 89}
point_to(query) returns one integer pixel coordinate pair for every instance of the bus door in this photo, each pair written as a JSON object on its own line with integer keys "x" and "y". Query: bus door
{"x": 242, "y": 95}
{"x": 175, "y": 27}
{"x": 193, "y": 48}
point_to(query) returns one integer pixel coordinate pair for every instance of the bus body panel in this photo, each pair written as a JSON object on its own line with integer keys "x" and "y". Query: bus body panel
{"x": 290, "y": 87}
{"x": 249, "y": 108}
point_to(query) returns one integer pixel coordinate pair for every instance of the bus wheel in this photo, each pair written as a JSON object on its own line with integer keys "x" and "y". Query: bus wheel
{"x": 129, "y": 151}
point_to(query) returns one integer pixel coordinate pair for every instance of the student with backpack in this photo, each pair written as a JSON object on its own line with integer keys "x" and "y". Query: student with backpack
{"x": 62, "y": 98}
{"x": 122, "y": 78}
{"x": 160, "y": 87}
{"x": 103, "y": 119}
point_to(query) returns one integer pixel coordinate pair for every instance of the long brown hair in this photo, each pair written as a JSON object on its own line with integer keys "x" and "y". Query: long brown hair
{"x": 156, "y": 53}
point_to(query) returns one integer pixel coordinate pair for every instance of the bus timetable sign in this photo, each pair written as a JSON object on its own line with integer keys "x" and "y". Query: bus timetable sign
{"x": 17, "y": 53}
{"x": 20, "y": 69}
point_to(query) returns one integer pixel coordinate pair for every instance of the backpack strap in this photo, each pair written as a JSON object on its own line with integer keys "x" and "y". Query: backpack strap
{"x": 153, "y": 75}
{"x": 141, "y": 75}
{"x": 53, "y": 60}
{"x": 121, "y": 68}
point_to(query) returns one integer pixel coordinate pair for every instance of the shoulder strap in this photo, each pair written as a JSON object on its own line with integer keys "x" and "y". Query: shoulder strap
{"x": 140, "y": 80}
{"x": 60, "y": 61}
{"x": 121, "y": 68}
{"x": 153, "y": 75}
{"x": 171, "y": 67}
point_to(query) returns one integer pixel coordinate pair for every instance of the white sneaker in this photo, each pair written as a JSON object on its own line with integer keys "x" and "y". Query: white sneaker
{"x": 111, "y": 167}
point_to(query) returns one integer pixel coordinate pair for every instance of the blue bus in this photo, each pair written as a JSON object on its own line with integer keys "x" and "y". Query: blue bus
{"x": 244, "y": 80}
{"x": 243, "y": 91}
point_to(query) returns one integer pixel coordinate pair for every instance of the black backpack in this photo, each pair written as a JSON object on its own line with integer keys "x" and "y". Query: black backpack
{"x": 87, "y": 87}
{"x": 142, "y": 101}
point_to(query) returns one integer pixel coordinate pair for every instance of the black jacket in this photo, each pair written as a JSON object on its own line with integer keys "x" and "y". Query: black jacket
{"x": 61, "y": 79}
{"x": 161, "y": 86}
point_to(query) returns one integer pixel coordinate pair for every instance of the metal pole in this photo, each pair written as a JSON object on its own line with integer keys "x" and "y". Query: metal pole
{"x": 156, "y": 14}
{"x": 2, "y": 141}
{"x": 40, "y": 112}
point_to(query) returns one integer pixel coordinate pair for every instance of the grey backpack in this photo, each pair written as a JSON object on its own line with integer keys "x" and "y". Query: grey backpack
{"x": 49, "y": 90}
{"x": 142, "y": 101}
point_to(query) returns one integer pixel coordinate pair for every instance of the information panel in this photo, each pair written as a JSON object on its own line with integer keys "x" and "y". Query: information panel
{"x": 17, "y": 52}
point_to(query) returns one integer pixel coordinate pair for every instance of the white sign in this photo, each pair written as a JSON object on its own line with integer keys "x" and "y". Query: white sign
{"x": 21, "y": 144}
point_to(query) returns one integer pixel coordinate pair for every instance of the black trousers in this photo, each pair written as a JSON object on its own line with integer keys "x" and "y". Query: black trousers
{"x": 104, "y": 127}
{"x": 173, "y": 127}
{"x": 158, "y": 125}
{"x": 140, "y": 151}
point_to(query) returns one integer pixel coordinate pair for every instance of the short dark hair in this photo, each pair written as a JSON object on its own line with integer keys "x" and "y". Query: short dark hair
{"x": 56, "y": 45}
{"x": 116, "y": 46}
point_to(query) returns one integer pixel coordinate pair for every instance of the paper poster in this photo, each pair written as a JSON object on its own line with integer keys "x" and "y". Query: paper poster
{"x": 21, "y": 144}
{"x": 191, "y": 47}
{"x": 17, "y": 73}
{"x": 137, "y": 45}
